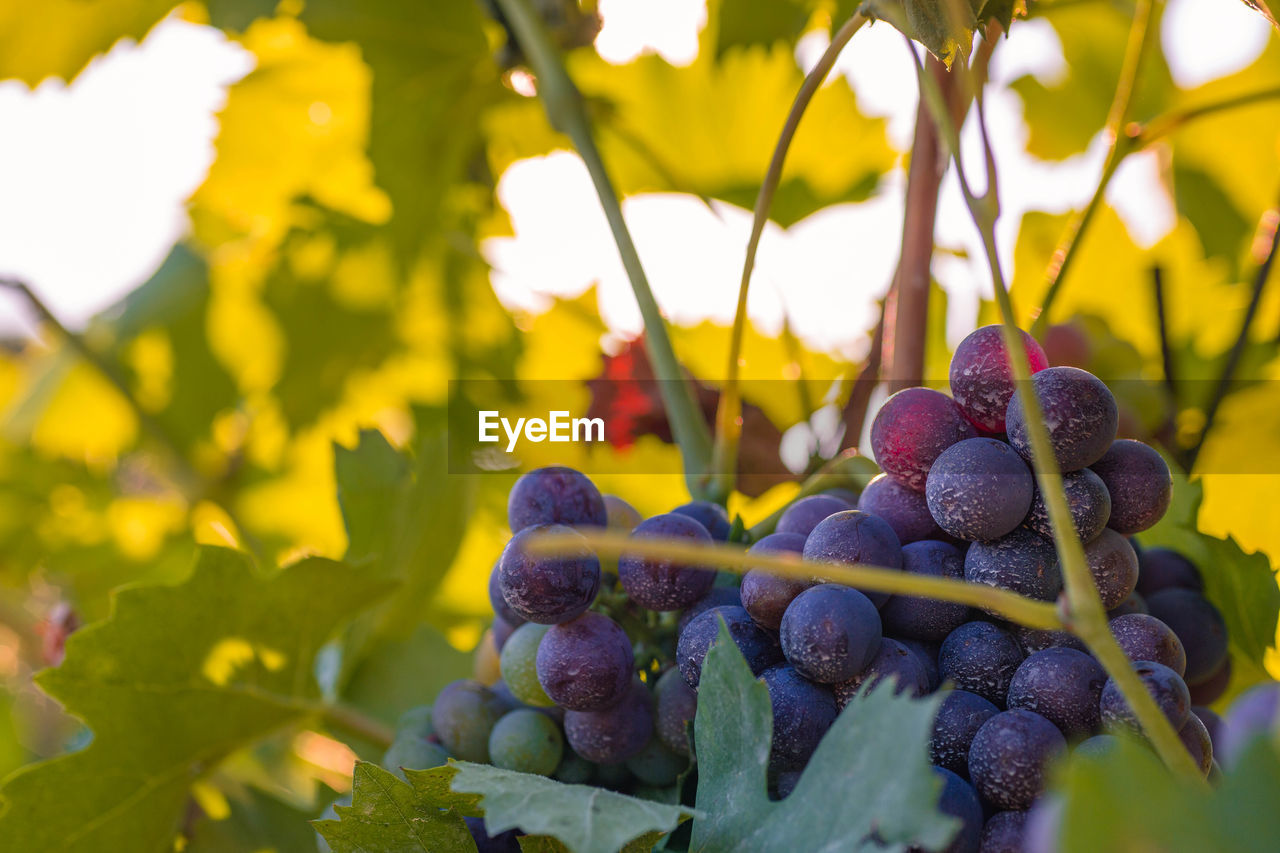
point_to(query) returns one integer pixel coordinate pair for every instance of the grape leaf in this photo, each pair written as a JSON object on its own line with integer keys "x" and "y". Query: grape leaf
{"x": 870, "y": 774}
{"x": 1064, "y": 115}
{"x": 743, "y": 23}
{"x": 1242, "y": 585}
{"x": 254, "y": 821}
{"x": 1127, "y": 800}
{"x": 387, "y": 815}
{"x": 929, "y": 22}
{"x": 583, "y": 818}
{"x": 56, "y": 38}
{"x": 174, "y": 680}
{"x": 1224, "y": 231}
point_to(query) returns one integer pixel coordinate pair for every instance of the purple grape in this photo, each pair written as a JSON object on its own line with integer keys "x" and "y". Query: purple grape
{"x": 463, "y": 715}
{"x": 717, "y": 596}
{"x": 1212, "y": 723}
{"x": 803, "y": 515}
{"x": 586, "y": 664}
{"x": 548, "y": 590}
{"x": 979, "y": 489}
{"x": 892, "y": 661}
{"x": 1035, "y": 640}
{"x": 960, "y": 800}
{"x": 657, "y": 584}
{"x": 830, "y": 633}
{"x": 1023, "y": 562}
{"x": 1198, "y": 625}
{"x": 906, "y": 511}
{"x": 1164, "y": 685}
{"x": 499, "y": 604}
{"x": 1139, "y": 482}
{"x": 960, "y": 716}
{"x": 1252, "y": 715}
{"x": 911, "y": 429}
{"x": 503, "y": 842}
{"x": 1114, "y": 567}
{"x": 1088, "y": 500}
{"x": 1162, "y": 568}
{"x": 1133, "y": 604}
{"x": 926, "y": 618}
{"x": 758, "y": 646}
{"x": 621, "y": 515}
{"x": 1079, "y": 412}
{"x": 1010, "y": 757}
{"x": 1144, "y": 637}
{"x": 1211, "y": 689}
{"x": 766, "y": 596}
{"x": 802, "y": 713}
{"x": 1063, "y": 686}
{"x": 554, "y": 495}
{"x": 710, "y": 515}
{"x": 981, "y": 379}
{"x": 787, "y": 781}
{"x": 928, "y": 655}
{"x": 1195, "y": 737}
{"x": 502, "y": 631}
{"x": 613, "y": 734}
{"x": 1004, "y": 833}
{"x": 855, "y": 537}
{"x": 676, "y": 705}
{"x": 981, "y": 658}
{"x": 849, "y": 496}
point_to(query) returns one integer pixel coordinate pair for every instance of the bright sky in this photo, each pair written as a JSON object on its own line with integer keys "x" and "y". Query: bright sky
{"x": 94, "y": 178}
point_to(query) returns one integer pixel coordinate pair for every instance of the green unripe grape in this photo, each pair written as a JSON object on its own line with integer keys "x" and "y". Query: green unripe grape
{"x": 413, "y": 752}
{"x": 464, "y": 714}
{"x": 526, "y": 741}
{"x": 656, "y": 765}
{"x": 574, "y": 769}
{"x": 416, "y": 720}
{"x": 519, "y": 665}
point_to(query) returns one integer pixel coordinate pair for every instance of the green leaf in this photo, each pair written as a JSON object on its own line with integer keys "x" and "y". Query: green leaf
{"x": 584, "y": 818}
{"x": 389, "y": 677}
{"x": 1224, "y": 231}
{"x": 1064, "y": 116}
{"x": 173, "y": 681}
{"x": 256, "y": 821}
{"x": 174, "y": 304}
{"x": 433, "y": 74}
{"x": 869, "y": 775}
{"x": 57, "y": 38}
{"x": 387, "y": 815}
{"x": 405, "y": 520}
{"x": 929, "y": 22}
{"x": 1127, "y": 800}
{"x": 744, "y": 23}
{"x": 1242, "y": 585}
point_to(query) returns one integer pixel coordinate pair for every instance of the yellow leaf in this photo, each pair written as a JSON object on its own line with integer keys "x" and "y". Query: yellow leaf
{"x": 56, "y": 38}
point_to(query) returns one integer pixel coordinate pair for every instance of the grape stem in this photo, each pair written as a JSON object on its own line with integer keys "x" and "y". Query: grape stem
{"x": 1083, "y": 613}
{"x": 565, "y": 110}
{"x": 729, "y": 411}
{"x": 1008, "y": 605}
{"x": 1119, "y": 146}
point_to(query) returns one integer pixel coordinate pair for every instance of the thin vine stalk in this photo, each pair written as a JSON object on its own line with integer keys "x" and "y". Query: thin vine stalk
{"x": 1084, "y": 614}
{"x": 1119, "y": 146}
{"x": 1009, "y": 605}
{"x": 565, "y": 109}
{"x": 729, "y": 411}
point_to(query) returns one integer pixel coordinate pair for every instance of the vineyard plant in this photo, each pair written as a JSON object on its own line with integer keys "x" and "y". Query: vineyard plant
{"x": 1006, "y": 584}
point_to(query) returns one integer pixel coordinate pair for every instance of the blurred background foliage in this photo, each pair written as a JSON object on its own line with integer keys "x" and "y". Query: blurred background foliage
{"x": 280, "y": 383}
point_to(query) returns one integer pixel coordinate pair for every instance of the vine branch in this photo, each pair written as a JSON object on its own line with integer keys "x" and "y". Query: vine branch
{"x": 729, "y": 411}
{"x": 565, "y": 109}
{"x": 1009, "y": 605}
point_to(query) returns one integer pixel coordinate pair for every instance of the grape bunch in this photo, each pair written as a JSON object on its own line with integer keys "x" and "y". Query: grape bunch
{"x": 601, "y": 662}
